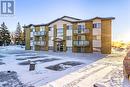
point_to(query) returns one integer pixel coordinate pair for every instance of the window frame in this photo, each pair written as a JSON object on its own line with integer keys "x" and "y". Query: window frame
{"x": 96, "y": 25}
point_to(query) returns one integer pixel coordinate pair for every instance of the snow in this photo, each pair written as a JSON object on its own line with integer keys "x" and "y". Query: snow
{"x": 106, "y": 72}
{"x": 96, "y": 68}
{"x": 42, "y": 75}
{"x": 9, "y": 79}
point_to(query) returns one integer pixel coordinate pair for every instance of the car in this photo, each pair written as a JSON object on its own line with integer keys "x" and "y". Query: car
{"x": 126, "y": 65}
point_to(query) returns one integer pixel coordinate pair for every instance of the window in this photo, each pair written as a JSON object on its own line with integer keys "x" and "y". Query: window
{"x": 31, "y": 34}
{"x": 69, "y": 27}
{"x": 50, "y": 28}
{"x": 31, "y": 38}
{"x": 40, "y": 38}
{"x": 68, "y": 38}
{"x": 59, "y": 35}
{"x": 96, "y": 37}
{"x": 50, "y": 38}
{"x": 32, "y": 28}
{"x": 60, "y": 31}
{"x": 43, "y": 38}
{"x": 81, "y": 26}
{"x": 42, "y": 28}
{"x": 97, "y": 25}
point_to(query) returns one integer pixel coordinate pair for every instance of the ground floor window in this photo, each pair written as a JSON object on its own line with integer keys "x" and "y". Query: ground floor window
{"x": 42, "y": 48}
{"x": 50, "y": 48}
{"x": 69, "y": 48}
{"x": 31, "y": 47}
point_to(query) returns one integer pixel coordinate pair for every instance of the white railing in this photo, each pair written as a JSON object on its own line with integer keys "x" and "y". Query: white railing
{"x": 81, "y": 31}
{"x": 41, "y": 43}
{"x": 80, "y": 43}
{"x": 39, "y": 33}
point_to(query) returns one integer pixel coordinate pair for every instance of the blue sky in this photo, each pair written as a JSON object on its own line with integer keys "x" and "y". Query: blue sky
{"x": 44, "y": 11}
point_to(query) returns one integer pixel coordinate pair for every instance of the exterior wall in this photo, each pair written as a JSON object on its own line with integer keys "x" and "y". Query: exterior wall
{"x": 53, "y": 34}
{"x": 31, "y": 34}
{"x": 56, "y": 36}
{"x": 37, "y": 47}
{"x": 106, "y": 37}
{"x": 83, "y": 23}
{"x": 74, "y": 49}
{"x": 31, "y": 41}
{"x": 96, "y": 43}
{"x": 32, "y": 37}
{"x": 59, "y": 23}
{"x": 69, "y": 42}
{"x": 37, "y": 28}
{"x": 41, "y": 38}
{"x": 27, "y": 38}
{"x": 69, "y": 32}
{"x": 46, "y": 38}
{"x": 64, "y": 36}
{"x": 89, "y": 36}
{"x": 97, "y": 31}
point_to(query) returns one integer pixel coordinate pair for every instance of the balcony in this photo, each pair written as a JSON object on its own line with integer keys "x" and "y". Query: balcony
{"x": 40, "y": 33}
{"x": 80, "y": 43}
{"x": 81, "y": 31}
{"x": 41, "y": 43}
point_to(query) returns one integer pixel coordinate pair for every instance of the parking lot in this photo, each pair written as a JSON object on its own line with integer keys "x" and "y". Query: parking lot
{"x": 49, "y": 66}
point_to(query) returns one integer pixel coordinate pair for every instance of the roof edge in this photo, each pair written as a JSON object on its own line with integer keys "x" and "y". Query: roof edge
{"x": 78, "y": 20}
{"x": 102, "y": 18}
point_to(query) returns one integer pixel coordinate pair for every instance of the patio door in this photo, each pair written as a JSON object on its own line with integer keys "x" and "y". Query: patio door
{"x": 81, "y": 49}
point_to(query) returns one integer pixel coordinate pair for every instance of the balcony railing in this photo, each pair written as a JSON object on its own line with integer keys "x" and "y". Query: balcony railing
{"x": 81, "y": 31}
{"x": 80, "y": 43}
{"x": 40, "y": 33}
{"x": 41, "y": 43}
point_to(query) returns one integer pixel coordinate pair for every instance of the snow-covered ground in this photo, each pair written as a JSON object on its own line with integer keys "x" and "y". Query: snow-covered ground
{"x": 50, "y": 65}
{"x": 106, "y": 72}
{"x": 61, "y": 69}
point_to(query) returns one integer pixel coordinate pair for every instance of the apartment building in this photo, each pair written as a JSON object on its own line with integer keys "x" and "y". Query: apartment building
{"x": 71, "y": 34}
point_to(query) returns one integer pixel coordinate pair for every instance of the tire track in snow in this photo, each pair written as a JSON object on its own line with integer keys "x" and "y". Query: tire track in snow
{"x": 34, "y": 82}
{"x": 75, "y": 82}
{"x": 76, "y": 77}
